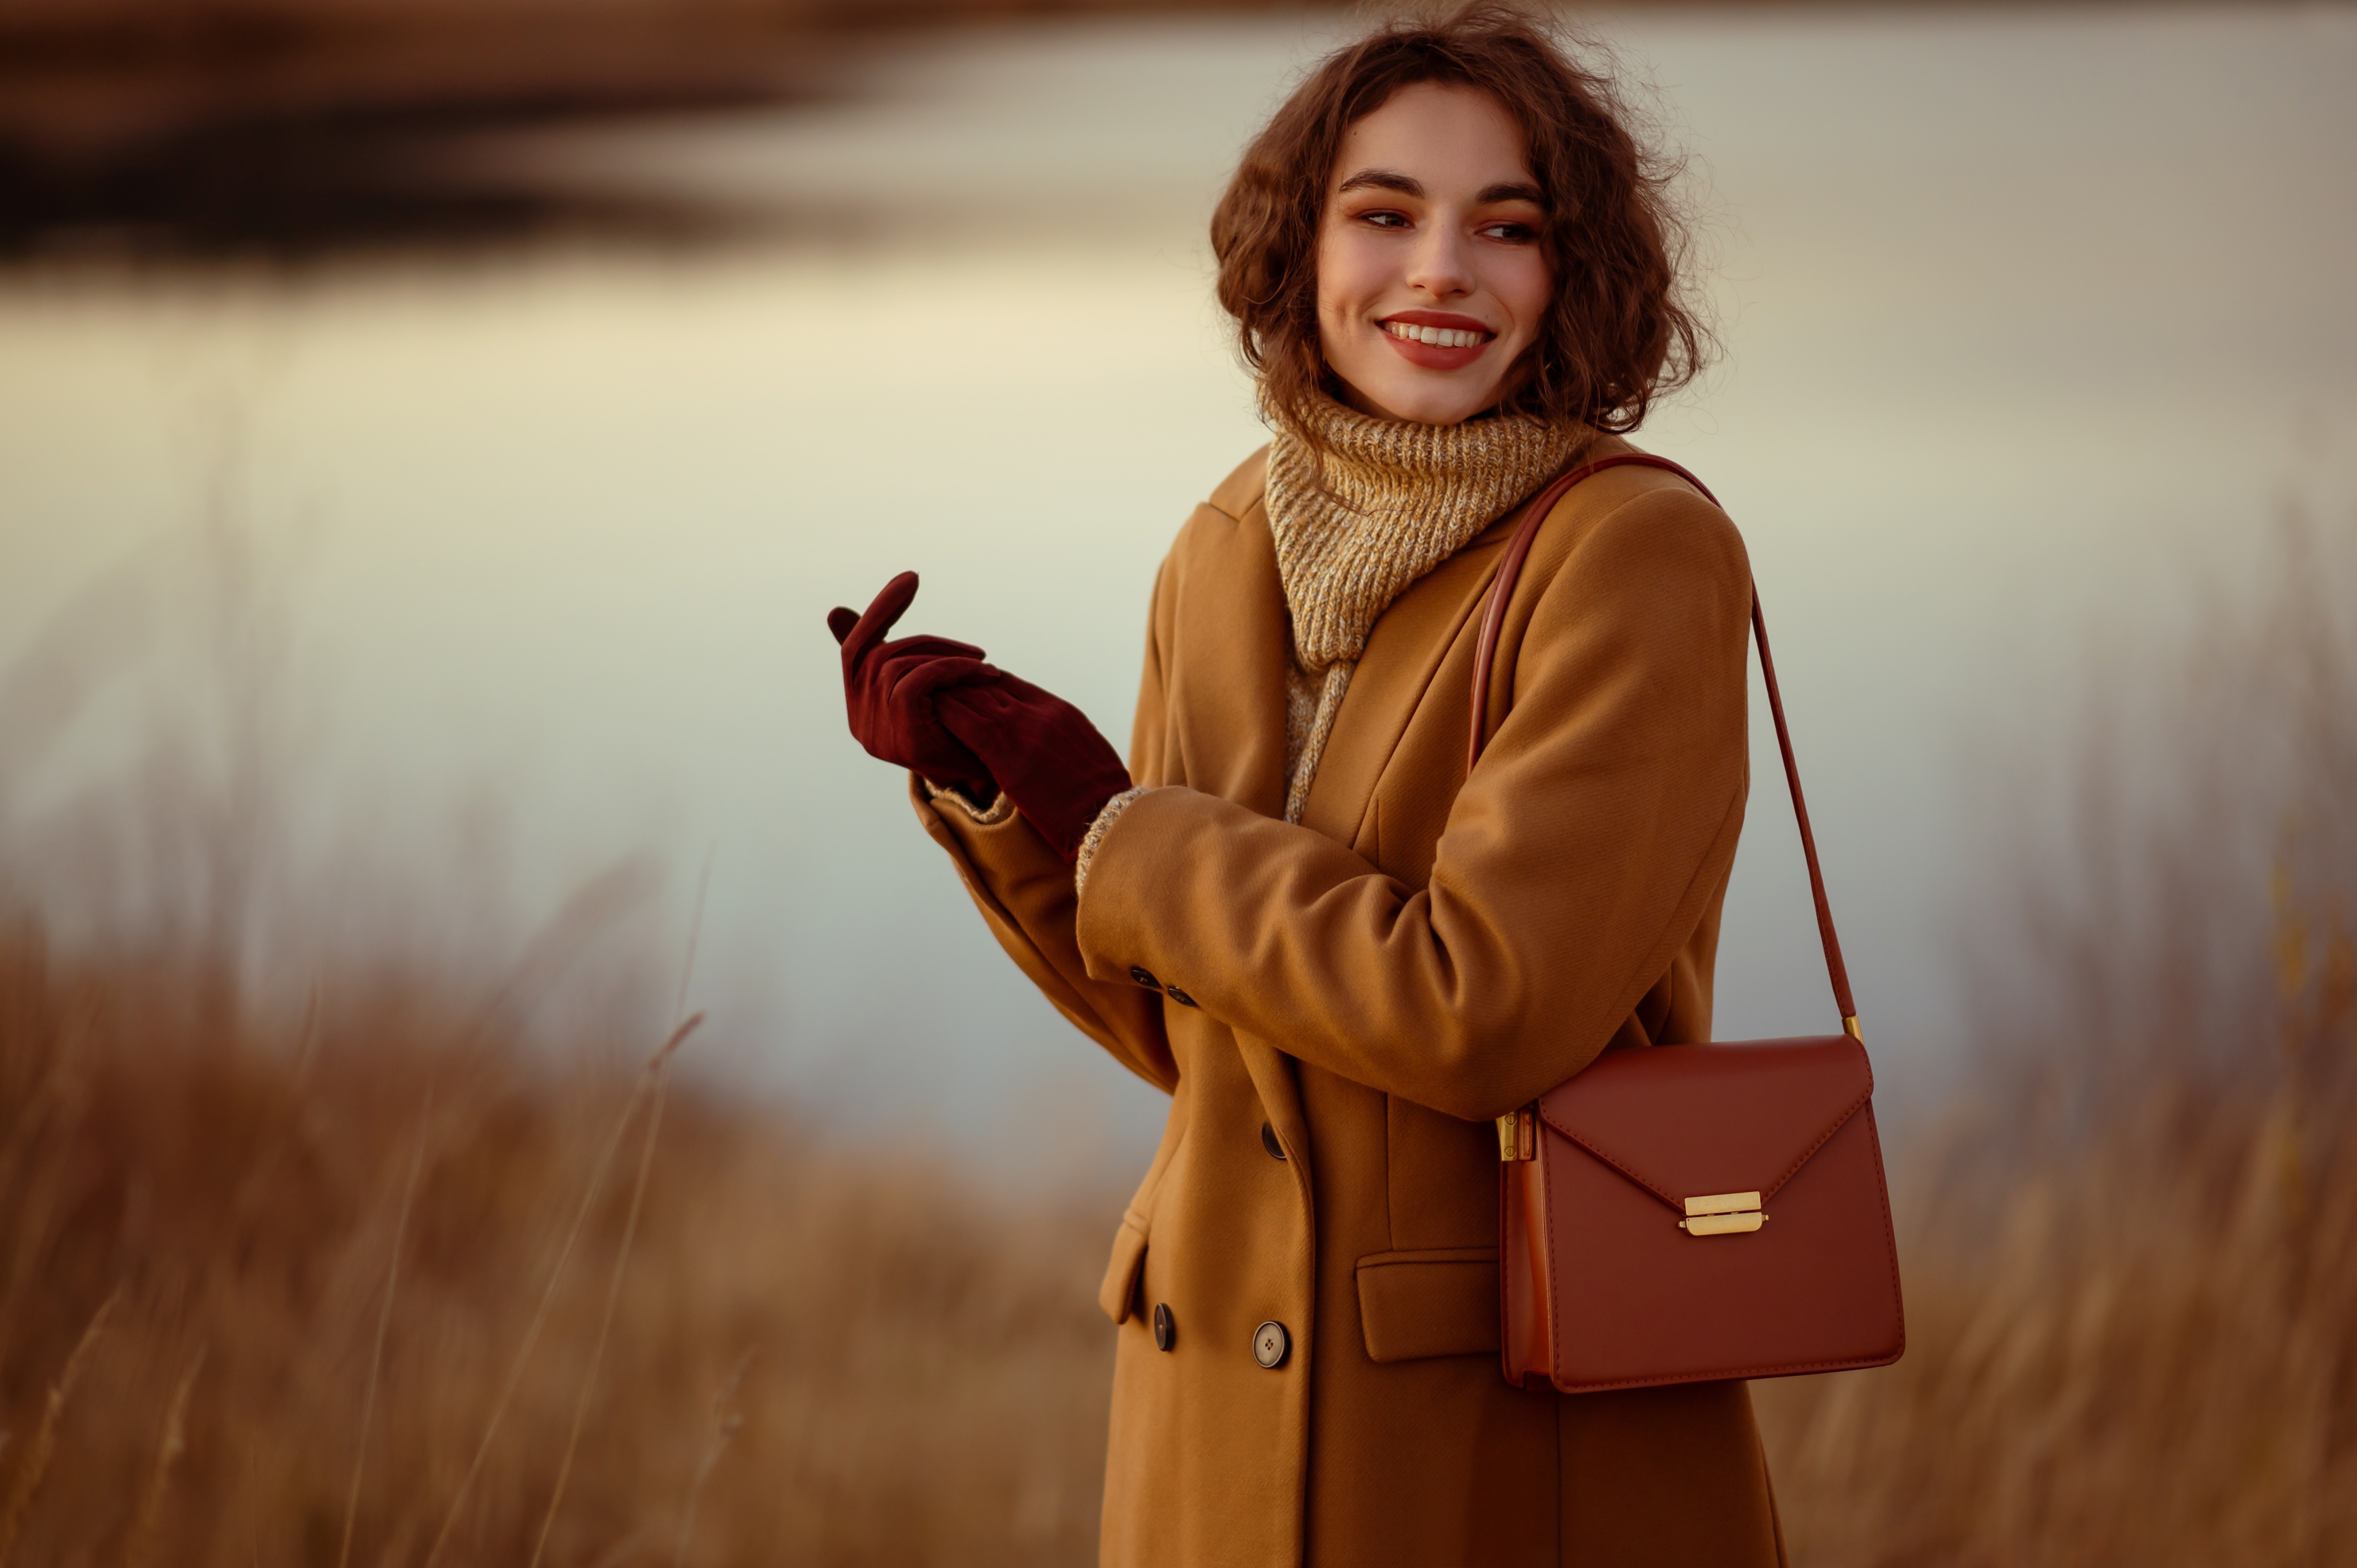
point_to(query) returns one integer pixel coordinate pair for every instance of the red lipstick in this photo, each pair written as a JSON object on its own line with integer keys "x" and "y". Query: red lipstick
{"x": 1462, "y": 339}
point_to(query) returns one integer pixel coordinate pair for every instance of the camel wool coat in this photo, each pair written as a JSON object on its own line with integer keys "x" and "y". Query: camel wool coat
{"x": 1340, "y": 1009}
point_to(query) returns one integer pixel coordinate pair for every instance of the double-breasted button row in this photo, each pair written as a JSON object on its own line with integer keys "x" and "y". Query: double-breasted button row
{"x": 1144, "y": 976}
{"x": 1270, "y": 1345}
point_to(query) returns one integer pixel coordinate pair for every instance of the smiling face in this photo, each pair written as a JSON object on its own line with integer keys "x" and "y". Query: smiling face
{"x": 1431, "y": 277}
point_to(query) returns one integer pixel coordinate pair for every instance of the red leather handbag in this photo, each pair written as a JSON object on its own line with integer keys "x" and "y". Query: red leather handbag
{"x": 1685, "y": 1213}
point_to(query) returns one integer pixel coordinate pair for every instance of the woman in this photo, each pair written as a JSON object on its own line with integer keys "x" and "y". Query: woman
{"x": 1293, "y": 909}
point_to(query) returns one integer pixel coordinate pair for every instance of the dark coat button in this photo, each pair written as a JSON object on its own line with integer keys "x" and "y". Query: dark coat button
{"x": 1178, "y": 996}
{"x": 1271, "y": 1344}
{"x": 1268, "y": 1141}
{"x": 1144, "y": 977}
{"x": 1166, "y": 1329}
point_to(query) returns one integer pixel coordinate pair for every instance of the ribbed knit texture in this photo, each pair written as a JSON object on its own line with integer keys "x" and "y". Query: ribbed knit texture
{"x": 1396, "y": 499}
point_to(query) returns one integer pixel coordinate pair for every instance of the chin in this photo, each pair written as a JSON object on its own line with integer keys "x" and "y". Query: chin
{"x": 1394, "y": 390}
{"x": 1433, "y": 406}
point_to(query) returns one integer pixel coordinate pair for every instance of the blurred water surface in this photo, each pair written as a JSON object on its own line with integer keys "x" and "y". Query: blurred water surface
{"x": 2034, "y": 323}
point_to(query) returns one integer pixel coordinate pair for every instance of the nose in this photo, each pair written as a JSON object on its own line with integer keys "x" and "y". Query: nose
{"x": 1442, "y": 263}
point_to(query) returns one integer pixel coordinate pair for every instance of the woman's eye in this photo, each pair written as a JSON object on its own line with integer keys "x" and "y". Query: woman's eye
{"x": 1383, "y": 219}
{"x": 1512, "y": 234}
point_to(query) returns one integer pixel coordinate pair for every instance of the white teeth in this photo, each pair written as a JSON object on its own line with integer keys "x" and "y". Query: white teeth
{"x": 1438, "y": 337}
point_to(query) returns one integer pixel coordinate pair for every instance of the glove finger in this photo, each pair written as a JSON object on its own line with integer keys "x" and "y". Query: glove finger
{"x": 1015, "y": 690}
{"x": 983, "y": 699}
{"x": 929, "y": 678}
{"x": 840, "y": 620}
{"x": 891, "y": 671}
{"x": 887, "y": 607}
{"x": 927, "y": 648}
{"x": 943, "y": 755}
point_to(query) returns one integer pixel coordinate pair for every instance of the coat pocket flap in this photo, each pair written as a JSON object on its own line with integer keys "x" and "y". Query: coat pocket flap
{"x": 1686, "y": 1121}
{"x": 1442, "y": 1301}
{"x": 1119, "y": 1290}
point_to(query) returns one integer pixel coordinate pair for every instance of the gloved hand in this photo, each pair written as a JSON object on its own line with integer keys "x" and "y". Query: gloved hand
{"x": 889, "y": 690}
{"x": 1052, "y": 763}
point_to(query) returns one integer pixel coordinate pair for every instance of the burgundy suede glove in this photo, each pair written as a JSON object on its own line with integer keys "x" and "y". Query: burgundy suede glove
{"x": 889, "y": 690}
{"x": 1052, "y": 763}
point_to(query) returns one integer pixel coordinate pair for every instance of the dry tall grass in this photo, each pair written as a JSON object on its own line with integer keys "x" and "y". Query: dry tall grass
{"x": 815, "y": 1356}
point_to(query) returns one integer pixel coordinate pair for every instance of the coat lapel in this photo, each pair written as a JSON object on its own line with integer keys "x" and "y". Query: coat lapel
{"x": 1406, "y": 650}
{"x": 1227, "y": 690}
{"x": 1231, "y": 647}
{"x": 1410, "y": 644}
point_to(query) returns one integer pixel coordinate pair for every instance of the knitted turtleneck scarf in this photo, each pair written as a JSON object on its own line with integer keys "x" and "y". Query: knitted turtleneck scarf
{"x": 1397, "y": 500}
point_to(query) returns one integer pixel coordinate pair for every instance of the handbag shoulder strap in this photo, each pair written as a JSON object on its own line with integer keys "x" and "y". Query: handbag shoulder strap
{"x": 1494, "y": 620}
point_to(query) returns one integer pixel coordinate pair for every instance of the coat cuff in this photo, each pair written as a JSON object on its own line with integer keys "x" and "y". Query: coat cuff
{"x": 997, "y": 811}
{"x": 1096, "y": 833}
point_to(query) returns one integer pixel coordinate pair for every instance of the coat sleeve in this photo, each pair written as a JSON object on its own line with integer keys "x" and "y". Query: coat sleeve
{"x": 1577, "y": 860}
{"x": 1024, "y": 891}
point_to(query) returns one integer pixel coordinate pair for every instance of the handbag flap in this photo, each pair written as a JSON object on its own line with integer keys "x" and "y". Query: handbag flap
{"x": 1686, "y": 1121}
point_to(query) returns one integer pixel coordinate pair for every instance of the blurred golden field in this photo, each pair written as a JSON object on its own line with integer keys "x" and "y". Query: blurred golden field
{"x": 814, "y": 1355}
{"x": 377, "y": 1275}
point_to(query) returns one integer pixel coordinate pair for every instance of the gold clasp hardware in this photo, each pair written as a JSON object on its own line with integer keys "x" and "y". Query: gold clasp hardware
{"x": 1723, "y": 1214}
{"x": 1849, "y": 1028}
{"x": 1518, "y": 1135}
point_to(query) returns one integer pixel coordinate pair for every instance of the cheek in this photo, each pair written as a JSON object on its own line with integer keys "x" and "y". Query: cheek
{"x": 1343, "y": 267}
{"x": 1527, "y": 287}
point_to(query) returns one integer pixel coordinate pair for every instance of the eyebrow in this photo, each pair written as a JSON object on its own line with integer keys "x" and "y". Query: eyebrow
{"x": 1391, "y": 180}
{"x": 1511, "y": 192}
{"x": 1382, "y": 180}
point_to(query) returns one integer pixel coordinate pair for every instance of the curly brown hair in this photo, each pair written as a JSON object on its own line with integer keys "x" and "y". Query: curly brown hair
{"x": 1621, "y": 329}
